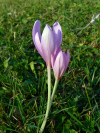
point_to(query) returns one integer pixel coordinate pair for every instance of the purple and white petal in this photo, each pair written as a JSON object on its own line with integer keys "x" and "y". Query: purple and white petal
{"x": 36, "y": 29}
{"x": 61, "y": 64}
{"x": 58, "y": 33}
{"x": 48, "y": 43}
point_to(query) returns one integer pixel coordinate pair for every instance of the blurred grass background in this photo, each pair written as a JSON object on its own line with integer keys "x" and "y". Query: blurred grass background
{"x": 23, "y": 75}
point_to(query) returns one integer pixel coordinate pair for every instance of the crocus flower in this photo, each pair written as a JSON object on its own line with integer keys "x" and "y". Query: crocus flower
{"x": 61, "y": 63}
{"x": 48, "y": 45}
{"x": 49, "y": 42}
{"x": 93, "y": 18}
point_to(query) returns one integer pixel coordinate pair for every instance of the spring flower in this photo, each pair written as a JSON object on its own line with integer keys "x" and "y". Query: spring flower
{"x": 48, "y": 45}
{"x": 49, "y": 42}
{"x": 61, "y": 63}
{"x": 93, "y": 18}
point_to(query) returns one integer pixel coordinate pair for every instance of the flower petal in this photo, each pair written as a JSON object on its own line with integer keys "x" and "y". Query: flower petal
{"x": 58, "y": 33}
{"x": 38, "y": 45}
{"x": 97, "y": 16}
{"x": 54, "y": 55}
{"x": 36, "y": 28}
{"x": 47, "y": 43}
{"x": 37, "y": 37}
{"x": 61, "y": 64}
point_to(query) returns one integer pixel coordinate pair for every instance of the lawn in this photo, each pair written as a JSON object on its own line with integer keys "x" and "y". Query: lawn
{"x": 23, "y": 72}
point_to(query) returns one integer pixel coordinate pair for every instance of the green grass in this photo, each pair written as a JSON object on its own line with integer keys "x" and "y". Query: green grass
{"x": 23, "y": 74}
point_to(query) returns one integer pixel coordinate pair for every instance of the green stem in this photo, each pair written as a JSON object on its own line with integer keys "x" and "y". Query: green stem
{"x": 48, "y": 103}
{"x": 54, "y": 90}
{"x": 83, "y": 28}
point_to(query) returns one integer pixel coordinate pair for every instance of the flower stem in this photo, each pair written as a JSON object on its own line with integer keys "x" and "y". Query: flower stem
{"x": 48, "y": 103}
{"x": 54, "y": 90}
{"x": 83, "y": 28}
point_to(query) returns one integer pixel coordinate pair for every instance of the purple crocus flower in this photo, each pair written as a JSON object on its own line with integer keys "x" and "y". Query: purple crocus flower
{"x": 48, "y": 45}
{"x": 49, "y": 42}
{"x": 93, "y": 18}
{"x": 60, "y": 64}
